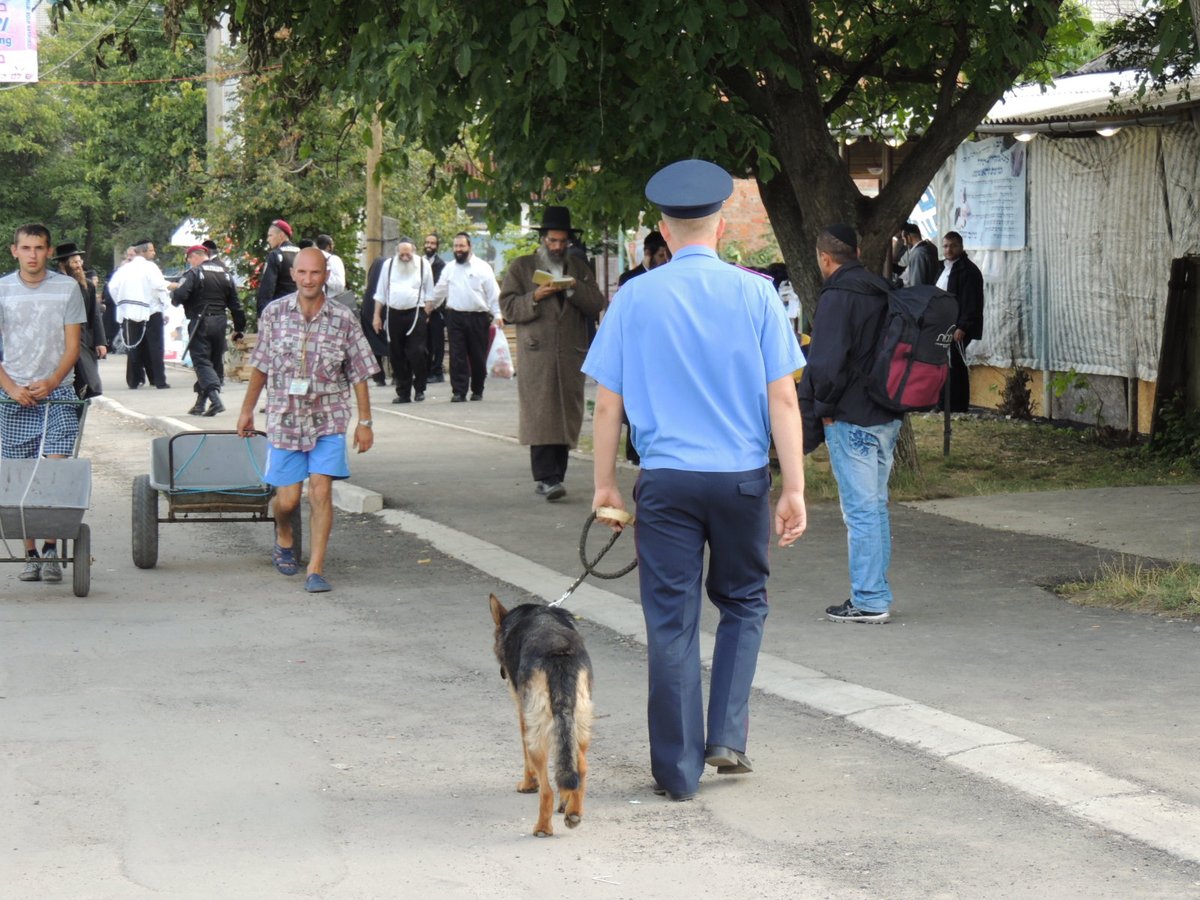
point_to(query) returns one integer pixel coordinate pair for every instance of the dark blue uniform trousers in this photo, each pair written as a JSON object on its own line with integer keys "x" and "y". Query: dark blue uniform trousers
{"x": 678, "y": 513}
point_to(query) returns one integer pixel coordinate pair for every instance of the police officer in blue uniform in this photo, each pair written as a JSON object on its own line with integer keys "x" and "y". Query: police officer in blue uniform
{"x": 699, "y": 354}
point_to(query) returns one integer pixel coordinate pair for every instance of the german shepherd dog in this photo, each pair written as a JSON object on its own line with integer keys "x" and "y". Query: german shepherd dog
{"x": 550, "y": 676}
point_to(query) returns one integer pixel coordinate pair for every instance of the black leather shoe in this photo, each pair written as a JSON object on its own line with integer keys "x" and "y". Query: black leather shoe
{"x": 550, "y": 491}
{"x": 458, "y": 398}
{"x": 163, "y": 387}
{"x": 728, "y": 761}
{"x": 215, "y": 406}
{"x": 400, "y": 400}
{"x": 478, "y": 395}
{"x": 419, "y": 396}
{"x": 678, "y": 798}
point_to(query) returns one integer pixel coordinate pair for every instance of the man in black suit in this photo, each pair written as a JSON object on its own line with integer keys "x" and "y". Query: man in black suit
{"x": 962, "y": 278}
{"x": 435, "y": 334}
{"x": 654, "y": 254}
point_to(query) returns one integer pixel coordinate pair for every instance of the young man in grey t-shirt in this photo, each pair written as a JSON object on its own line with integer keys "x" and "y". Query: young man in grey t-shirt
{"x": 41, "y": 315}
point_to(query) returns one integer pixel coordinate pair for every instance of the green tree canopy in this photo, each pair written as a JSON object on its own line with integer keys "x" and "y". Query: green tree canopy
{"x": 1160, "y": 40}
{"x": 100, "y": 149}
{"x": 589, "y": 97}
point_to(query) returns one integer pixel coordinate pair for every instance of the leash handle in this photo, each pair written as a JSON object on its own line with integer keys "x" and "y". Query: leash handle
{"x": 589, "y": 566}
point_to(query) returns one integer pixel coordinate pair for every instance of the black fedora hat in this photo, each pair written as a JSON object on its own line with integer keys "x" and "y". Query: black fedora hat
{"x": 557, "y": 218}
{"x": 66, "y": 251}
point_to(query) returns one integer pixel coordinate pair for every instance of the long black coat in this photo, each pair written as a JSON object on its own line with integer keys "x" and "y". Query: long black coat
{"x": 966, "y": 284}
{"x": 366, "y": 312}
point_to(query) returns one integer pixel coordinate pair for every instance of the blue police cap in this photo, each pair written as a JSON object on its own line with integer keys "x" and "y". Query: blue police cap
{"x": 689, "y": 189}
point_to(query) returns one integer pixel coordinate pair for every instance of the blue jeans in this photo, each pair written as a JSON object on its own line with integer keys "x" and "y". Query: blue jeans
{"x": 861, "y": 458}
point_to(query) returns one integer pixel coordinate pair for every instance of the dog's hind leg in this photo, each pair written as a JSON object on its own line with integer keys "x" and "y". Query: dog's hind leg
{"x": 529, "y": 783}
{"x": 540, "y": 757}
{"x": 538, "y": 727}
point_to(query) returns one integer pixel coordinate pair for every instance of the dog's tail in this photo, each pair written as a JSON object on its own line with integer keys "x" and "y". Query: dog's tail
{"x": 571, "y": 706}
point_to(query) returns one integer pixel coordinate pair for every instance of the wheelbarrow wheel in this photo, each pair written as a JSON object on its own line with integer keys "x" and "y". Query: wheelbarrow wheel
{"x": 81, "y": 562}
{"x": 145, "y": 523}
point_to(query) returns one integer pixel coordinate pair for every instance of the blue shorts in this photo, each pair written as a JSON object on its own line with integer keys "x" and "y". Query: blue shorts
{"x": 328, "y": 457}
{"x": 49, "y": 428}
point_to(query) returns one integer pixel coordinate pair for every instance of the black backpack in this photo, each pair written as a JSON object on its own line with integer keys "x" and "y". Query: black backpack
{"x": 912, "y": 355}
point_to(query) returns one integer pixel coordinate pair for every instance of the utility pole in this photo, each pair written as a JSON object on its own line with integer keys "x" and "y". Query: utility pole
{"x": 214, "y": 90}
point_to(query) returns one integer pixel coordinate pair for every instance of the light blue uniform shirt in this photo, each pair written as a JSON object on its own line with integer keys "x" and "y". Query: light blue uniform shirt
{"x": 690, "y": 347}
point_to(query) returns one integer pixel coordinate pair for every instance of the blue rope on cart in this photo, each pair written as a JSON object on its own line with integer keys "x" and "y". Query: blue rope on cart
{"x": 261, "y": 491}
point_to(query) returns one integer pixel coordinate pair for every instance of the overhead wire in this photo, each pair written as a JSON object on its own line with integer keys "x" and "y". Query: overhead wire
{"x": 104, "y": 29}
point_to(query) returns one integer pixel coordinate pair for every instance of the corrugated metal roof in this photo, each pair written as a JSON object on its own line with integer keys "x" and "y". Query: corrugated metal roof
{"x": 1086, "y": 97}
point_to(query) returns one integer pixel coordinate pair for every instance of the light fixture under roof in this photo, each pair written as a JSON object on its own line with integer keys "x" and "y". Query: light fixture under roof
{"x": 849, "y": 139}
{"x": 1025, "y": 136}
{"x": 1108, "y": 130}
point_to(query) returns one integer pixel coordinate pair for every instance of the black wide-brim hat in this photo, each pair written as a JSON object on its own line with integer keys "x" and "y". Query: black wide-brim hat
{"x": 66, "y": 251}
{"x": 557, "y": 218}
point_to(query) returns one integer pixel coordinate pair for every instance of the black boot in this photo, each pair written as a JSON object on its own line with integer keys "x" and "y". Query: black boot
{"x": 198, "y": 407}
{"x": 214, "y": 402}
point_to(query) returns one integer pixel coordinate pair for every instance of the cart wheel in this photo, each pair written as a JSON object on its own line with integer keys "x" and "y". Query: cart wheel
{"x": 145, "y": 523}
{"x": 298, "y": 532}
{"x": 81, "y": 562}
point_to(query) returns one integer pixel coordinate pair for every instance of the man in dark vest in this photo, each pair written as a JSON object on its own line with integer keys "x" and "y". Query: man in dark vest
{"x": 276, "y": 280}
{"x": 205, "y": 292}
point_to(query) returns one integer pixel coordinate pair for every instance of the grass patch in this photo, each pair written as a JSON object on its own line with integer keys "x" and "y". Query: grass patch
{"x": 1133, "y": 585}
{"x": 998, "y": 456}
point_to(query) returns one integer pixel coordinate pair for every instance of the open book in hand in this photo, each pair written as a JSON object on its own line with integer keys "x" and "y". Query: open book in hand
{"x": 560, "y": 282}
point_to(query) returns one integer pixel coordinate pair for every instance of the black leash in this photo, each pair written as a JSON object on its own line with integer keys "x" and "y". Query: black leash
{"x": 589, "y": 566}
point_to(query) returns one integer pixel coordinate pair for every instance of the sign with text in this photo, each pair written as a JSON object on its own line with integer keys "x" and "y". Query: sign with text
{"x": 18, "y": 41}
{"x": 989, "y": 195}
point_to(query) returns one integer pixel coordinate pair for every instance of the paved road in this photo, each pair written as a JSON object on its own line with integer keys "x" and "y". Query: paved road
{"x": 208, "y": 729}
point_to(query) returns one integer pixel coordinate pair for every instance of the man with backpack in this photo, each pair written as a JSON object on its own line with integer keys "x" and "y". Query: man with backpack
{"x": 861, "y": 433}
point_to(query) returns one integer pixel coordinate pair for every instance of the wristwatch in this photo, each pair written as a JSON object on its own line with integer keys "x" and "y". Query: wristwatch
{"x": 367, "y": 422}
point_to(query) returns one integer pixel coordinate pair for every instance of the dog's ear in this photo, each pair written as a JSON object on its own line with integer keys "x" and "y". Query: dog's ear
{"x": 498, "y": 610}
{"x": 503, "y": 674}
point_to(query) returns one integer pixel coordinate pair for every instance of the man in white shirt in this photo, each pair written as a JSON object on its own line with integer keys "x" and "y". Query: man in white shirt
{"x": 141, "y": 293}
{"x": 336, "y": 284}
{"x": 403, "y": 297}
{"x": 472, "y": 297}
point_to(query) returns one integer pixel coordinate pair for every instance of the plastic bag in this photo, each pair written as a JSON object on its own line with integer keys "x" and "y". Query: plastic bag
{"x": 499, "y": 358}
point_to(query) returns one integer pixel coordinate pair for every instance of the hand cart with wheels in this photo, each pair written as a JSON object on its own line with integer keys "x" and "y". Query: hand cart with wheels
{"x": 44, "y": 499}
{"x": 205, "y": 476}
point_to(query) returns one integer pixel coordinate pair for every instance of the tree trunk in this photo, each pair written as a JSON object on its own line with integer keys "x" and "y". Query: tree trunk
{"x": 908, "y": 464}
{"x": 1194, "y": 6}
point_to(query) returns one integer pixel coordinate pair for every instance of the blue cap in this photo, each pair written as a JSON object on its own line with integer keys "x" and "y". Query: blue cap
{"x": 689, "y": 189}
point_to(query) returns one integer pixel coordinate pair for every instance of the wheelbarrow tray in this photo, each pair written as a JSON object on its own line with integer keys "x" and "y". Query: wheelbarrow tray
{"x": 211, "y": 472}
{"x": 48, "y": 503}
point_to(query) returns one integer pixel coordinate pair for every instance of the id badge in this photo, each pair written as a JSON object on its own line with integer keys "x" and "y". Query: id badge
{"x": 298, "y": 387}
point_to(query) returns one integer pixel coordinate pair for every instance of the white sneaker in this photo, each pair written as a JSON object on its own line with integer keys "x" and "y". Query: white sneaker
{"x": 51, "y": 567}
{"x": 32, "y": 571}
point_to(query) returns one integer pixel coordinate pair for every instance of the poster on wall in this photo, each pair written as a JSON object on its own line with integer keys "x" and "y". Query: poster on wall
{"x": 18, "y": 41}
{"x": 988, "y": 207}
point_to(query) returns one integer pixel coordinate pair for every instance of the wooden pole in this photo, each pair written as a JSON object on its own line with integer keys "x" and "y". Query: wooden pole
{"x": 373, "y": 244}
